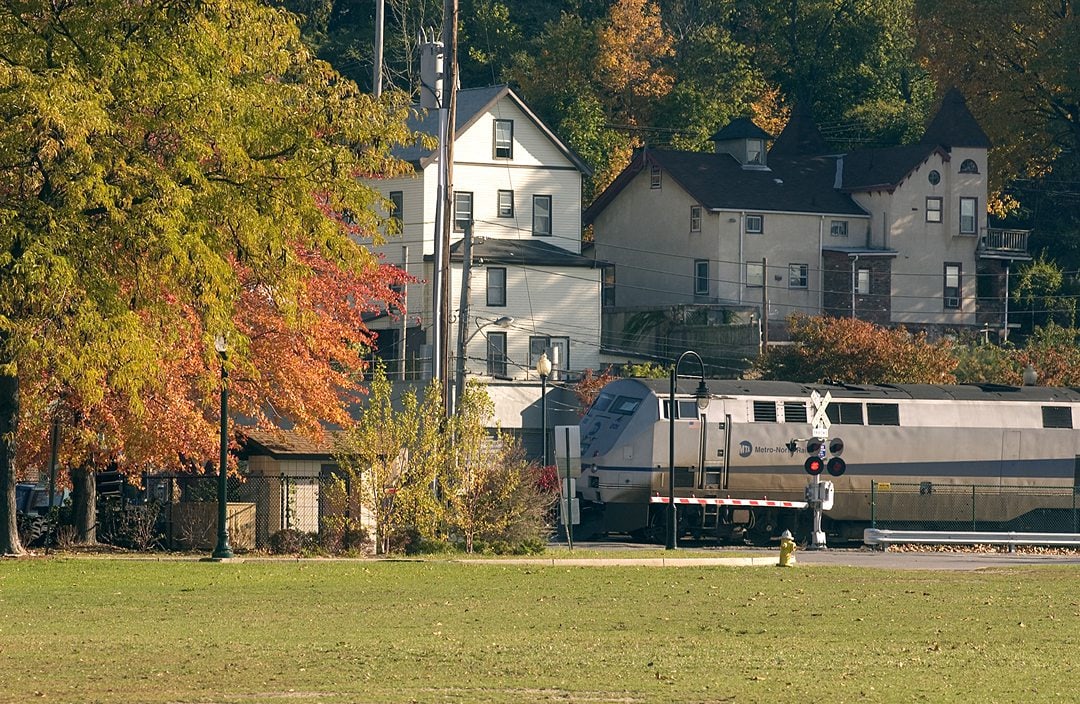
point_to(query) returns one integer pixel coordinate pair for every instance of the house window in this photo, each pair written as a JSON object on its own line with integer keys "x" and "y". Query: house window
{"x": 797, "y": 274}
{"x": 701, "y": 277}
{"x": 755, "y": 224}
{"x": 862, "y": 282}
{"x": 506, "y": 204}
{"x": 496, "y": 353}
{"x": 695, "y": 218}
{"x": 952, "y": 285}
{"x": 541, "y": 216}
{"x": 969, "y": 221}
{"x": 838, "y": 228}
{"x": 557, "y": 349}
{"x": 968, "y": 166}
{"x": 496, "y": 286}
{"x": 933, "y": 177}
{"x": 755, "y": 151}
{"x": 462, "y": 210}
{"x": 933, "y": 209}
{"x": 755, "y": 274}
{"x": 654, "y": 177}
{"x": 397, "y": 208}
{"x": 504, "y": 139}
{"x": 607, "y": 289}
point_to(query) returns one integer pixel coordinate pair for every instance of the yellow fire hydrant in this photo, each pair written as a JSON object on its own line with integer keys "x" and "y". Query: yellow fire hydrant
{"x": 787, "y": 549}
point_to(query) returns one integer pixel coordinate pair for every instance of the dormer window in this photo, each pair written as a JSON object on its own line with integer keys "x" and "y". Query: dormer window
{"x": 755, "y": 151}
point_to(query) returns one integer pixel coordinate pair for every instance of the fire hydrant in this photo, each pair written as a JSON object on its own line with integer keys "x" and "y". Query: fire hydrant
{"x": 787, "y": 549}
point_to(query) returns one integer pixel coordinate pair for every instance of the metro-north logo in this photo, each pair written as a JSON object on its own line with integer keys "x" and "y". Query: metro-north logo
{"x": 745, "y": 448}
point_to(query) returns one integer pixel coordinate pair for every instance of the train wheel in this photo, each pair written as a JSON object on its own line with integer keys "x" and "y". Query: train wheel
{"x": 763, "y": 529}
{"x": 657, "y": 530}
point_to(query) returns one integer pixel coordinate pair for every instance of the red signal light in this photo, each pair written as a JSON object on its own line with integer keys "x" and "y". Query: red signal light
{"x": 836, "y": 466}
{"x": 814, "y": 465}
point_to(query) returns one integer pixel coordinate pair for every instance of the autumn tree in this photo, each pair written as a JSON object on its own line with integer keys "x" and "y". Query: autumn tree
{"x": 393, "y": 453}
{"x": 854, "y": 351}
{"x": 1015, "y": 61}
{"x": 198, "y": 156}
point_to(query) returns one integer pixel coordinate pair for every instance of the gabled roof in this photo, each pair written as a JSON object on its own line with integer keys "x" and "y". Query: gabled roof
{"x": 718, "y": 182}
{"x": 954, "y": 125}
{"x": 285, "y": 444}
{"x": 884, "y": 168}
{"x": 740, "y": 128}
{"x": 537, "y": 252}
{"x": 471, "y": 104}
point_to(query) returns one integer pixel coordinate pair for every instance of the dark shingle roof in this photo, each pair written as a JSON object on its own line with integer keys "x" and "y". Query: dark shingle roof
{"x": 521, "y": 252}
{"x": 954, "y": 125}
{"x": 883, "y": 168}
{"x": 719, "y": 182}
{"x": 471, "y": 103}
{"x": 740, "y": 128}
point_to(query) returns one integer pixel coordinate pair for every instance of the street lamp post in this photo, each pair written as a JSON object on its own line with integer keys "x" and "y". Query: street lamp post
{"x": 543, "y": 368}
{"x": 222, "y": 551}
{"x": 702, "y": 398}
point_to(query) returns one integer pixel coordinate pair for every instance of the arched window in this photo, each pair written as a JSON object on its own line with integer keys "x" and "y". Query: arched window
{"x": 968, "y": 166}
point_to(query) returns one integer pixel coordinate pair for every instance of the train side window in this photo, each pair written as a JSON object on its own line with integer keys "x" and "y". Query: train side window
{"x": 795, "y": 412}
{"x": 764, "y": 411}
{"x": 882, "y": 414}
{"x": 625, "y": 406}
{"x": 1057, "y": 416}
{"x": 602, "y": 402}
{"x": 844, "y": 413}
{"x": 683, "y": 410}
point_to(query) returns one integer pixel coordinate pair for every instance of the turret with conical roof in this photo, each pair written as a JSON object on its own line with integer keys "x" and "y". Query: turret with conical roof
{"x": 954, "y": 125}
{"x": 800, "y": 136}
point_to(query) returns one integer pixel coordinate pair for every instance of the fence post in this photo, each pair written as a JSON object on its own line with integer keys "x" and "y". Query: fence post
{"x": 873, "y": 504}
{"x": 972, "y": 507}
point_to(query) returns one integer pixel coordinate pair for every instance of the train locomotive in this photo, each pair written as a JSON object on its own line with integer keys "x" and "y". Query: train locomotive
{"x": 753, "y": 439}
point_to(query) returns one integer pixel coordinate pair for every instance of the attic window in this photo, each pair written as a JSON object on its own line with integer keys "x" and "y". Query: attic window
{"x": 654, "y": 177}
{"x": 933, "y": 177}
{"x": 968, "y": 166}
{"x": 755, "y": 151}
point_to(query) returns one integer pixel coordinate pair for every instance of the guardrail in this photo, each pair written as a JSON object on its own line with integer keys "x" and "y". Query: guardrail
{"x": 877, "y": 536}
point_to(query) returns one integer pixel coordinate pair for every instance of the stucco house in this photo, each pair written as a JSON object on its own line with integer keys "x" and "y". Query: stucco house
{"x": 895, "y": 235}
{"x": 531, "y": 290}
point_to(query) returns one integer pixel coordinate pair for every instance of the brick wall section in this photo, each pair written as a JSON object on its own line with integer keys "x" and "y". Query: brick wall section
{"x": 836, "y": 277}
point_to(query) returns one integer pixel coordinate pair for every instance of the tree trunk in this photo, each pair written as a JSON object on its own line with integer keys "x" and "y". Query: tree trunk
{"x": 9, "y": 423}
{"x": 84, "y": 501}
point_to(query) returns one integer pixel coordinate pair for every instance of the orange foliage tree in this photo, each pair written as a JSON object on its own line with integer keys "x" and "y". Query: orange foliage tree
{"x": 856, "y": 352}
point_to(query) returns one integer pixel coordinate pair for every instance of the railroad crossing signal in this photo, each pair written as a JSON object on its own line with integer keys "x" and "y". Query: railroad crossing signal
{"x": 820, "y": 421}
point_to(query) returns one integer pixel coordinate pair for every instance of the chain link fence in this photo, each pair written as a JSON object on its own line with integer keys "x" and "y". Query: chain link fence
{"x": 323, "y": 508}
{"x": 974, "y": 507}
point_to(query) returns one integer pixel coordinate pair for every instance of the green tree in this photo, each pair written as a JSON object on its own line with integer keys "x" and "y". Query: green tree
{"x": 856, "y": 352}
{"x": 160, "y": 159}
{"x": 1041, "y": 291}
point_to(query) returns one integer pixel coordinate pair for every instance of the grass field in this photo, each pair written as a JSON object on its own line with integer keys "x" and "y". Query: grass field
{"x": 119, "y": 630}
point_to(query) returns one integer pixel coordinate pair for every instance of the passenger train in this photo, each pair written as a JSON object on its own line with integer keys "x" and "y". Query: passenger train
{"x": 752, "y": 442}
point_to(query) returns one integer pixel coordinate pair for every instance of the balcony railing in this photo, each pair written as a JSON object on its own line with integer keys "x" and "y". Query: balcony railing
{"x": 1001, "y": 241}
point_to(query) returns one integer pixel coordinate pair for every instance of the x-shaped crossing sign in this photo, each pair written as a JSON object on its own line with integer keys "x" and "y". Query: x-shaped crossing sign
{"x": 820, "y": 421}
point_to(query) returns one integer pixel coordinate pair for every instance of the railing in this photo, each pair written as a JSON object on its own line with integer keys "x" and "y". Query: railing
{"x": 928, "y": 506}
{"x": 876, "y": 536}
{"x": 995, "y": 239}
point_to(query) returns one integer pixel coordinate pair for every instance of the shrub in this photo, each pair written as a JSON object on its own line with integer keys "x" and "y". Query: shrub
{"x": 292, "y": 542}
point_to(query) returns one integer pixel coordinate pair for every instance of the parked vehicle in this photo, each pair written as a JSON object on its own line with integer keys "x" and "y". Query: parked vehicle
{"x": 752, "y": 442}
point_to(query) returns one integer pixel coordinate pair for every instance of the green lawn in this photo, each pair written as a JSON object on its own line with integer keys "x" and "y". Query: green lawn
{"x": 118, "y": 630}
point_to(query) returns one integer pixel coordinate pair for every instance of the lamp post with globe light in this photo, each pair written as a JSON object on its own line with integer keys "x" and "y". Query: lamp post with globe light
{"x": 223, "y": 551}
{"x": 701, "y": 395}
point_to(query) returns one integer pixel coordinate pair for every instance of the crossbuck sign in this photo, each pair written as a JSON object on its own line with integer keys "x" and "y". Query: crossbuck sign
{"x": 820, "y": 421}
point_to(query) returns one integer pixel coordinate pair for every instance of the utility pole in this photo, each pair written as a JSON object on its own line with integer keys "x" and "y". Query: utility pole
{"x": 376, "y": 79}
{"x": 450, "y": 22}
{"x": 764, "y": 304}
{"x": 463, "y": 316}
